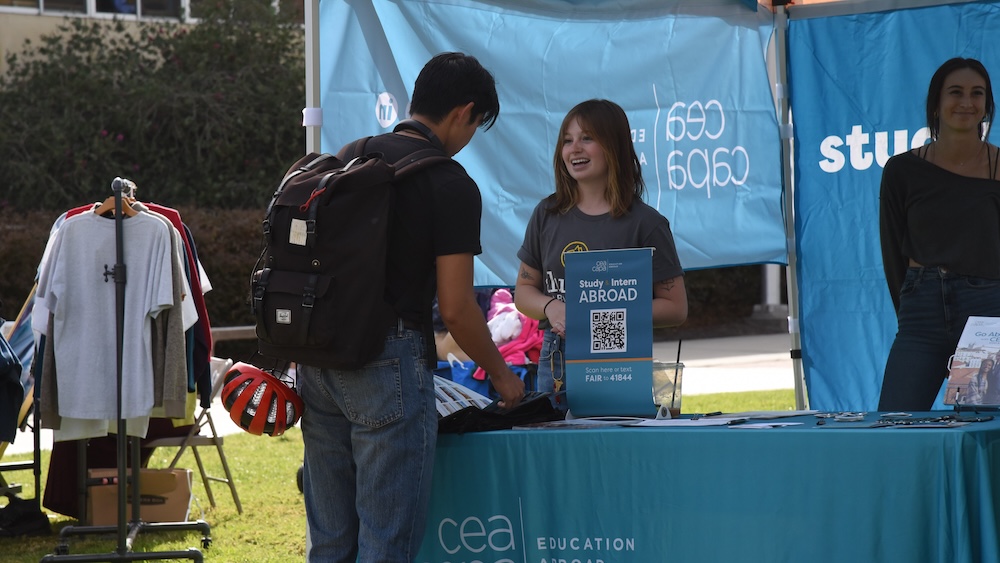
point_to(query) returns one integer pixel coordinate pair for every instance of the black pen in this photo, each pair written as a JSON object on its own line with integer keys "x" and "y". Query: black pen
{"x": 737, "y": 421}
{"x": 697, "y": 416}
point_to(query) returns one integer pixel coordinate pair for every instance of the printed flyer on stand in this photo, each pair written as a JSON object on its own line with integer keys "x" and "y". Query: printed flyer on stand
{"x": 974, "y": 374}
{"x": 609, "y": 332}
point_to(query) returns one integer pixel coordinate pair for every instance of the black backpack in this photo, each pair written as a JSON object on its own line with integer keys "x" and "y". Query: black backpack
{"x": 318, "y": 288}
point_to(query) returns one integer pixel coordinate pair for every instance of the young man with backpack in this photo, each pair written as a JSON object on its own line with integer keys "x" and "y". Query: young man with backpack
{"x": 370, "y": 434}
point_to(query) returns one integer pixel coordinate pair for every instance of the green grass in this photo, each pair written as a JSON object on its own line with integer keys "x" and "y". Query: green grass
{"x": 272, "y": 526}
{"x": 777, "y": 400}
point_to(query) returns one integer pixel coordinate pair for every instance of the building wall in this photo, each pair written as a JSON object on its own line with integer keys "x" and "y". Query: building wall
{"x": 22, "y": 19}
{"x": 15, "y": 28}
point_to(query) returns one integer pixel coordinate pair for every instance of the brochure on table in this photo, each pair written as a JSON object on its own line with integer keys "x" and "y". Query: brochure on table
{"x": 974, "y": 376}
{"x": 609, "y": 332}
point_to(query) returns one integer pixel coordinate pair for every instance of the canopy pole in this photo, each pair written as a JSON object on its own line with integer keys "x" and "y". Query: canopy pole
{"x": 313, "y": 130}
{"x": 788, "y": 191}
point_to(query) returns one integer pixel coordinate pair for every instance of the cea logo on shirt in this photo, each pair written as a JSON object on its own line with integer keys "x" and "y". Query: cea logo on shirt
{"x": 554, "y": 285}
{"x": 575, "y": 246}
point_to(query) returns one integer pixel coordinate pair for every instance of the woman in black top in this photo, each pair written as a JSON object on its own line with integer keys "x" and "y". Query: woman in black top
{"x": 940, "y": 230}
{"x": 990, "y": 389}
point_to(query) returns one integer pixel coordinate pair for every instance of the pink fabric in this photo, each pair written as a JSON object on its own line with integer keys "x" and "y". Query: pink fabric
{"x": 500, "y": 298}
{"x": 527, "y": 346}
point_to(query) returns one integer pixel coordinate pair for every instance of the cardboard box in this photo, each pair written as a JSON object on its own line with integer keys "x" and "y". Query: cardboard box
{"x": 165, "y": 496}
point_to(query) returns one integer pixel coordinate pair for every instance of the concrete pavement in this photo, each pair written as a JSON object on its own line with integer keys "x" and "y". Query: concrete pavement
{"x": 732, "y": 364}
{"x": 711, "y": 365}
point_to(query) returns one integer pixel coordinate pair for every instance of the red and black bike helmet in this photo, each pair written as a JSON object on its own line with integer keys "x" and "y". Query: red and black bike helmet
{"x": 259, "y": 402}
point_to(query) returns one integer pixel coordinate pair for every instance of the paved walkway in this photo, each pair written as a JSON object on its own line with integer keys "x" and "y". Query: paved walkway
{"x": 711, "y": 365}
{"x": 733, "y": 364}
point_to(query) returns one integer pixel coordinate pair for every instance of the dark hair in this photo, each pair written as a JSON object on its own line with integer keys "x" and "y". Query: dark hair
{"x": 450, "y": 80}
{"x": 937, "y": 83}
{"x": 982, "y": 364}
{"x": 607, "y": 123}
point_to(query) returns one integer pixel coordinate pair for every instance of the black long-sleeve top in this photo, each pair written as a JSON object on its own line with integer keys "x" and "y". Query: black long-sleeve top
{"x": 937, "y": 218}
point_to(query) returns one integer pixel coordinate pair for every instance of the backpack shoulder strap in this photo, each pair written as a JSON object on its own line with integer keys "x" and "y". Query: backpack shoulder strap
{"x": 352, "y": 150}
{"x": 304, "y": 164}
{"x": 307, "y": 163}
{"x": 419, "y": 160}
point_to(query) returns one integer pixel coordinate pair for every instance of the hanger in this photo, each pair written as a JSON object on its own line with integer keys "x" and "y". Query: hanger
{"x": 109, "y": 206}
{"x": 127, "y": 187}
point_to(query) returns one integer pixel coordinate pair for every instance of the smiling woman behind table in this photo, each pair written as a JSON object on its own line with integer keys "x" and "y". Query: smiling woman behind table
{"x": 940, "y": 226}
{"x": 597, "y": 205}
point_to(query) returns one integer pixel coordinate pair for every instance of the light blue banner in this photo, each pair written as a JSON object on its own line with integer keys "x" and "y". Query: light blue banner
{"x": 859, "y": 87}
{"x": 690, "y": 74}
{"x": 609, "y": 332}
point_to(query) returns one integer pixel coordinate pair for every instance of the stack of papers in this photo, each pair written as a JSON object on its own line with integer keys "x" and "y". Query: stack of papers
{"x": 723, "y": 420}
{"x": 453, "y": 397}
{"x": 768, "y": 415}
{"x": 731, "y": 419}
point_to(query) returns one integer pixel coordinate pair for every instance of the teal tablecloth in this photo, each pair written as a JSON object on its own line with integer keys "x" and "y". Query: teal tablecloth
{"x": 807, "y": 493}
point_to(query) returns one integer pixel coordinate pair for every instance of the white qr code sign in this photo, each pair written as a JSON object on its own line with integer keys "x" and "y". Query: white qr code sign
{"x": 608, "y": 330}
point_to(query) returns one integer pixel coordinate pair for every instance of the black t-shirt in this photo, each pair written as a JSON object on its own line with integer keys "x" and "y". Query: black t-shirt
{"x": 937, "y": 218}
{"x": 437, "y": 212}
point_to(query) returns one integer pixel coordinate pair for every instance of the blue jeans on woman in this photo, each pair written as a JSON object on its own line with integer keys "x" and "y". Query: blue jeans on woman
{"x": 934, "y": 305}
{"x": 370, "y": 436}
{"x": 552, "y": 368}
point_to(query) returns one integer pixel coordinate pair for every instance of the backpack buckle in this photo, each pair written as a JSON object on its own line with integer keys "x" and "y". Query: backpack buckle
{"x": 309, "y": 293}
{"x": 308, "y": 299}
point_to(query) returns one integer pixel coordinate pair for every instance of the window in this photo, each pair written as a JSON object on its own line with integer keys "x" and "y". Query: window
{"x": 161, "y": 8}
{"x": 114, "y": 6}
{"x": 142, "y": 8}
{"x": 151, "y": 8}
{"x": 78, "y": 6}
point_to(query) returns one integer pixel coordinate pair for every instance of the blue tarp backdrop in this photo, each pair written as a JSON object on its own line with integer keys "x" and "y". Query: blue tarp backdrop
{"x": 691, "y": 76}
{"x": 858, "y": 92}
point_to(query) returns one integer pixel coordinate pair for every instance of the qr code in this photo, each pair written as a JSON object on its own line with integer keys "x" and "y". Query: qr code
{"x": 607, "y": 330}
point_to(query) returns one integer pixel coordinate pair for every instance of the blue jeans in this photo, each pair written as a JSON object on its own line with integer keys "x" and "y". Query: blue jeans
{"x": 370, "y": 437}
{"x": 552, "y": 368}
{"x": 934, "y": 305}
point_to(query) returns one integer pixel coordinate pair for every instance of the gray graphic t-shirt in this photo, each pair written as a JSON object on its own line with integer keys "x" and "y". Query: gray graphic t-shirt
{"x": 549, "y": 236}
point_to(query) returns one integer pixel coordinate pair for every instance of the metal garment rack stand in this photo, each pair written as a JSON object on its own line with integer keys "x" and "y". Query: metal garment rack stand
{"x": 126, "y": 531}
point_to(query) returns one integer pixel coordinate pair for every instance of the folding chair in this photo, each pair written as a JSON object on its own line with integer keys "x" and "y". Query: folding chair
{"x": 21, "y": 516}
{"x": 17, "y": 334}
{"x": 10, "y": 489}
{"x": 196, "y": 438}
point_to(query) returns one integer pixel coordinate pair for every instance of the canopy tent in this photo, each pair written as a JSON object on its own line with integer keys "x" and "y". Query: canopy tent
{"x": 692, "y": 76}
{"x": 702, "y": 112}
{"x": 858, "y": 83}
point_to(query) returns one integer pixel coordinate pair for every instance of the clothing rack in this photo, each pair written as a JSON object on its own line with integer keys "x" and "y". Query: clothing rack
{"x": 126, "y": 531}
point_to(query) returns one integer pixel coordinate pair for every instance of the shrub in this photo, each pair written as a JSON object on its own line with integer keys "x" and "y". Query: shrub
{"x": 204, "y": 118}
{"x": 205, "y": 114}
